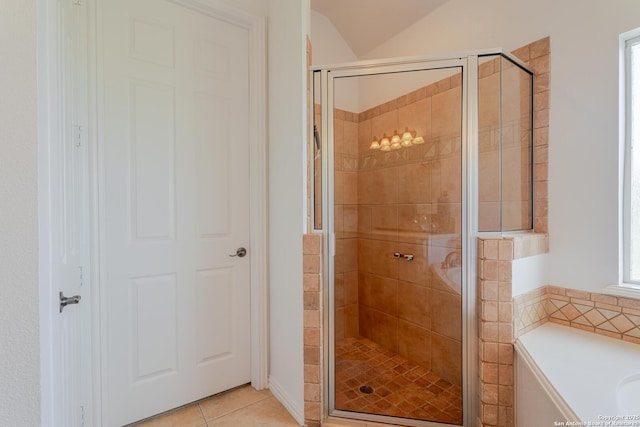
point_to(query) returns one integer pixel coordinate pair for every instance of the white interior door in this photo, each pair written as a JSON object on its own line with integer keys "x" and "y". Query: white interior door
{"x": 175, "y": 158}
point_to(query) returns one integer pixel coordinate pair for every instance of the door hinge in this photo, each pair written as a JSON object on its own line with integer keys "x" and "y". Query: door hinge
{"x": 78, "y": 136}
{"x": 82, "y": 416}
{"x": 81, "y": 274}
{"x": 77, "y": 2}
{"x": 65, "y": 301}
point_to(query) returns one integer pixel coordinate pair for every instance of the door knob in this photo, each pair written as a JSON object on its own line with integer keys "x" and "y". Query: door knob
{"x": 240, "y": 253}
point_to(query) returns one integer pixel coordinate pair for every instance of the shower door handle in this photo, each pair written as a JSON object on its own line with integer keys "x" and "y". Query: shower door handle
{"x": 408, "y": 257}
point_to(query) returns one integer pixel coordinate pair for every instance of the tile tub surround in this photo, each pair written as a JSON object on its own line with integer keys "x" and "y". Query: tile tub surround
{"x": 615, "y": 317}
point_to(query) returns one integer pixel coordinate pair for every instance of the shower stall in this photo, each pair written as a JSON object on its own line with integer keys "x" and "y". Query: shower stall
{"x": 412, "y": 158}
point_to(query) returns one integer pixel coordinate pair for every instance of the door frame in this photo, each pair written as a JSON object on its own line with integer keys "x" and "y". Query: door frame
{"x": 48, "y": 87}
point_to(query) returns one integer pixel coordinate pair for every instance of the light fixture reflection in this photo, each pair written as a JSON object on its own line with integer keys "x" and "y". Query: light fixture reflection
{"x": 397, "y": 141}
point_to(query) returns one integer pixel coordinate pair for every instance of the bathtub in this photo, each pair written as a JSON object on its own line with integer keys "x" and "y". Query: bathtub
{"x": 450, "y": 278}
{"x": 565, "y": 376}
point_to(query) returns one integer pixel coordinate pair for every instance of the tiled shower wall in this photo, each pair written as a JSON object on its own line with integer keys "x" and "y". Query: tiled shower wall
{"x": 346, "y": 223}
{"x": 537, "y": 56}
{"x": 504, "y": 120}
{"x": 405, "y": 198}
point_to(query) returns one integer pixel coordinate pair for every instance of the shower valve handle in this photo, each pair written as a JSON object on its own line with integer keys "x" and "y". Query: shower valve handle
{"x": 408, "y": 257}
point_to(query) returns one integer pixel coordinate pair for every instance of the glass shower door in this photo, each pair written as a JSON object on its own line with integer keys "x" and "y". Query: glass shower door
{"x": 396, "y": 299}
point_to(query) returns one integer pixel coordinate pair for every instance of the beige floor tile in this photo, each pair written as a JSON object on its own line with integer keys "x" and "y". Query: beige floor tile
{"x": 190, "y": 416}
{"x": 266, "y": 413}
{"x": 222, "y": 404}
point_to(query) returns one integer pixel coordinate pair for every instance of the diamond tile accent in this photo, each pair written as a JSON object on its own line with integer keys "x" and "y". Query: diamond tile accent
{"x": 608, "y": 314}
{"x": 607, "y": 326}
{"x": 570, "y": 312}
{"x": 622, "y": 324}
{"x": 582, "y": 308}
{"x": 558, "y": 303}
{"x": 582, "y": 321}
{"x": 549, "y": 303}
{"x": 635, "y": 332}
{"x": 558, "y": 315}
{"x": 595, "y": 317}
{"x": 634, "y": 319}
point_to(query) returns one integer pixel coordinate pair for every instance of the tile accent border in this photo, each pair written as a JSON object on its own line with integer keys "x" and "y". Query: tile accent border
{"x": 615, "y": 317}
{"x": 312, "y": 268}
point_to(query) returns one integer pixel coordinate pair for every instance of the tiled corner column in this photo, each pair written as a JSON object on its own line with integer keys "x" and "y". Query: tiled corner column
{"x": 495, "y": 263}
{"x": 495, "y": 256}
{"x": 312, "y": 267}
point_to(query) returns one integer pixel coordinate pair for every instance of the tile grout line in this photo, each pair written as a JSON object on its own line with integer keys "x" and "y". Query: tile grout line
{"x": 206, "y": 424}
{"x": 233, "y": 411}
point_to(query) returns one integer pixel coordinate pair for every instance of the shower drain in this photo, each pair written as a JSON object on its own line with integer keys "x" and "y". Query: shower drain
{"x": 366, "y": 389}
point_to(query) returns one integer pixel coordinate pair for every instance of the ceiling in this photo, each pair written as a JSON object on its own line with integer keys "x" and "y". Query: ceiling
{"x": 366, "y": 24}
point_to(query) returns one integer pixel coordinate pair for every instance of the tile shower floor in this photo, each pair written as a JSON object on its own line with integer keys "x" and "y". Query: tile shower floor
{"x": 400, "y": 387}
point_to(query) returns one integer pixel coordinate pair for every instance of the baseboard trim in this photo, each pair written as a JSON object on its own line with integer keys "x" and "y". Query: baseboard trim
{"x": 287, "y": 401}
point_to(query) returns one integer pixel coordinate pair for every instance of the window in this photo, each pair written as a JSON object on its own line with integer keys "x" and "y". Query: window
{"x": 631, "y": 207}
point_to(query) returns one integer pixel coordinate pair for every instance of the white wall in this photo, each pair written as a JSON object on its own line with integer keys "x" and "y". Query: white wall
{"x": 358, "y": 94}
{"x": 530, "y": 273}
{"x": 288, "y": 25}
{"x": 19, "y": 331}
{"x": 328, "y": 47}
{"x": 583, "y": 174}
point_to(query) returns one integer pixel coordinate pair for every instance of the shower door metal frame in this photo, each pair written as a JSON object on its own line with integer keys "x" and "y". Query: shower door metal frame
{"x": 468, "y": 65}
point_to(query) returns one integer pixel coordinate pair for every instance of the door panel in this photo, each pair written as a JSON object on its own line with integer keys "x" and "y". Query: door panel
{"x": 176, "y": 205}
{"x": 152, "y": 171}
{"x": 154, "y": 312}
